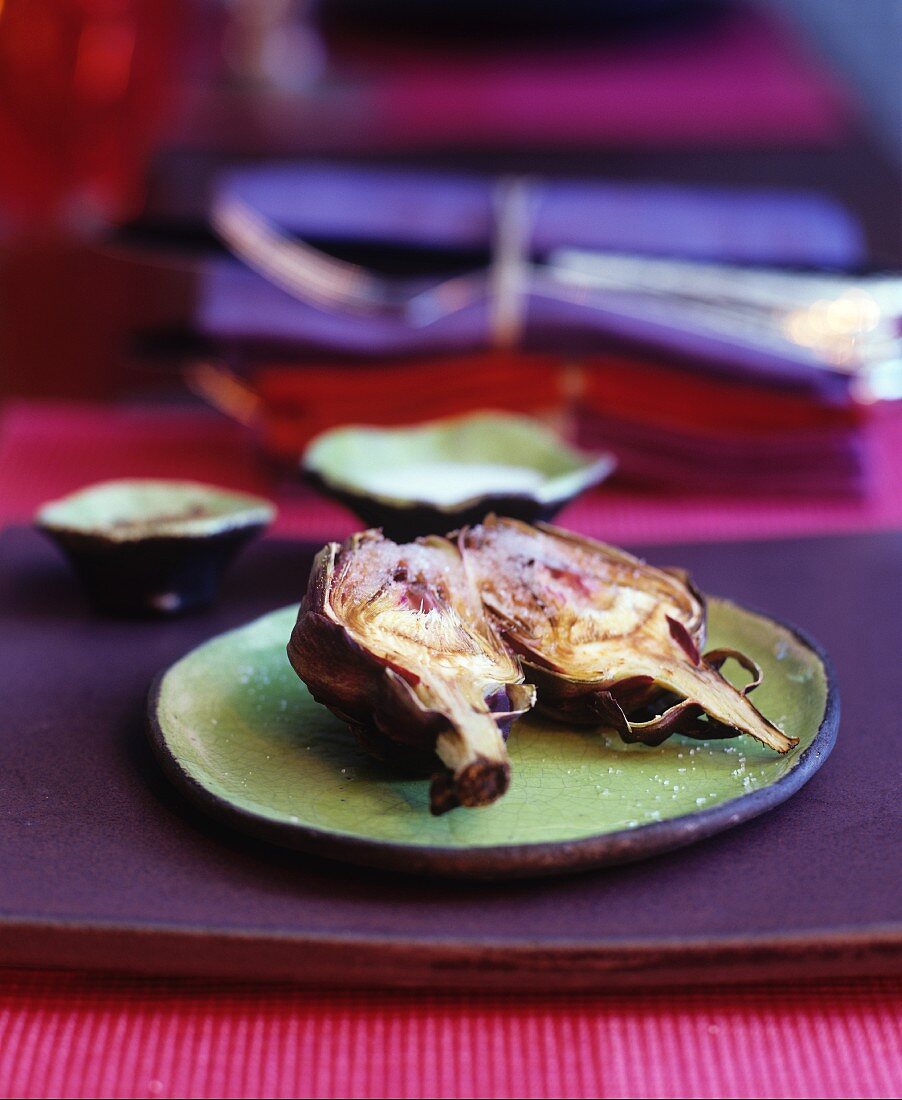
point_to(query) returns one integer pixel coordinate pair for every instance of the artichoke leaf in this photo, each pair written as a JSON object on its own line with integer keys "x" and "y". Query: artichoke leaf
{"x": 393, "y": 639}
{"x": 603, "y": 635}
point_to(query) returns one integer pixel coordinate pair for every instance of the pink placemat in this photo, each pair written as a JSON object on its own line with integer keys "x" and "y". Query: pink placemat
{"x": 73, "y": 1035}
{"x": 679, "y": 89}
{"x": 82, "y": 1035}
{"x": 48, "y": 450}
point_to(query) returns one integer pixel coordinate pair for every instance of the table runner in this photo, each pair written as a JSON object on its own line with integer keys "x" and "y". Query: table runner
{"x": 76, "y": 1035}
{"x": 48, "y": 450}
{"x": 83, "y": 1035}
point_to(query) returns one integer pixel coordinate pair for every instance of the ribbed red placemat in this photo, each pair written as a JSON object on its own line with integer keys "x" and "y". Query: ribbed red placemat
{"x": 82, "y": 1035}
{"x": 71, "y": 1035}
{"x": 48, "y": 450}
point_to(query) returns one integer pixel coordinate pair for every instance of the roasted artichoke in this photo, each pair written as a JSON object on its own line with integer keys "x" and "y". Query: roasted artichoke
{"x": 607, "y": 639}
{"x": 394, "y": 640}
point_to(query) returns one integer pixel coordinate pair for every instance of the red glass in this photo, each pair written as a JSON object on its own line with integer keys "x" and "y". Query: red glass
{"x": 82, "y": 92}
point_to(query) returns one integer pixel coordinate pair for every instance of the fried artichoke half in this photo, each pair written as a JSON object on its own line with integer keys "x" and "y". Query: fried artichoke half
{"x": 606, "y": 638}
{"x": 394, "y": 640}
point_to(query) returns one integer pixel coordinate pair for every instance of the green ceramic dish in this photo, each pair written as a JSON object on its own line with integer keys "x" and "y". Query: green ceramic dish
{"x": 237, "y": 731}
{"x": 149, "y": 546}
{"x": 434, "y": 477}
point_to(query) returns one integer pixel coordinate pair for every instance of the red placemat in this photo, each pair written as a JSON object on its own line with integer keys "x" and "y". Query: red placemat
{"x": 79, "y": 1035}
{"x": 72, "y": 1035}
{"x": 48, "y": 450}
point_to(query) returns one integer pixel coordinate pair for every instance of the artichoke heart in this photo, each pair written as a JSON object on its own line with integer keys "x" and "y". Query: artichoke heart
{"x": 394, "y": 640}
{"x": 607, "y": 639}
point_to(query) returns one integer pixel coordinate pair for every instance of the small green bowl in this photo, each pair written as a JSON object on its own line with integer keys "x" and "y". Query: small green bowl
{"x": 437, "y": 476}
{"x": 152, "y": 547}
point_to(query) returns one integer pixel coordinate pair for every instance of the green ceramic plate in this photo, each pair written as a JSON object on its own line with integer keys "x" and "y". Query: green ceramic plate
{"x": 238, "y": 732}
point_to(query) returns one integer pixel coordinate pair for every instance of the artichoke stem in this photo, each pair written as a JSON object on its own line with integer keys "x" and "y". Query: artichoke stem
{"x": 474, "y": 753}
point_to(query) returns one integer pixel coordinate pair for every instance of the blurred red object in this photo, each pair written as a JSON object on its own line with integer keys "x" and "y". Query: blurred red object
{"x": 288, "y": 406}
{"x": 672, "y": 428}
{"x": 82, "y": 93}
{"x": 668, "y": 427}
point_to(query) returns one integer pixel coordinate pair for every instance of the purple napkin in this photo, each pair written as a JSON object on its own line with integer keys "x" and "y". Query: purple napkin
{"x": 415, "y": 207}
{"x": 454, "y": 211}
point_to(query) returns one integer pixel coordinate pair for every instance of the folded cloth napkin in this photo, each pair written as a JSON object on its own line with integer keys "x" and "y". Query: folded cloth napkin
{"x": 651, "y": 456}
{"x": 434, "y": 209}
{"x": 671, "y": 428}
{"x": 667, "y": 426}
{"x": 453, "y": 214}
{"x": 293, "y": 405}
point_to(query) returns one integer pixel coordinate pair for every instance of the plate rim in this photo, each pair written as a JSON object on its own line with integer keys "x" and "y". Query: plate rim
{"x": 507, "y": 861}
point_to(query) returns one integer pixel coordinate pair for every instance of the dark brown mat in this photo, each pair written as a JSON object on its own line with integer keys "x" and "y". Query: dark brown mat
{"x": 103, "y": 866}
